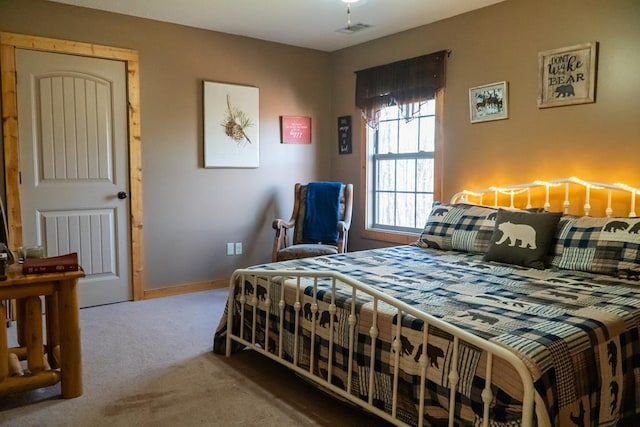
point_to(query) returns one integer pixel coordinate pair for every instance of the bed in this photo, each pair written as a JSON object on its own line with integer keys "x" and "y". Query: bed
{"x": 465, "y": 327}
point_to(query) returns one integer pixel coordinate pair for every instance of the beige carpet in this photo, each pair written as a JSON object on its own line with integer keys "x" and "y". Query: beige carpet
{"x": 150, "y": 363}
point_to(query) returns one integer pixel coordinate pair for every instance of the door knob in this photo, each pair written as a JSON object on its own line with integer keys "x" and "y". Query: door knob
{"x": 122, "y": 195}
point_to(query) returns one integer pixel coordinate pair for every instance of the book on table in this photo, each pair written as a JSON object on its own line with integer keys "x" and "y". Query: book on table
{"x": 53, "y": 264}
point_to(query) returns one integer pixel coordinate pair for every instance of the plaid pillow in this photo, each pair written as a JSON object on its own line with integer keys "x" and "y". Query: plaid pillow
{"x": 598, "y": 245}
{"x": 461, "y": 227}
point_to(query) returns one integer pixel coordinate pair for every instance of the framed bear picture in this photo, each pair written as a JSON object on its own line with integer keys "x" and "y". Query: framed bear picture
{"x": 567, "y": 75}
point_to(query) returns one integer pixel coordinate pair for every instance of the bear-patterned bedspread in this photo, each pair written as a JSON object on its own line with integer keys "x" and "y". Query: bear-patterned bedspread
{"x": 578, "y": 333}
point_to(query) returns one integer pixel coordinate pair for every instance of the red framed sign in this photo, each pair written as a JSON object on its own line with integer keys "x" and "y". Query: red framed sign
{"x": 295, "y": 129}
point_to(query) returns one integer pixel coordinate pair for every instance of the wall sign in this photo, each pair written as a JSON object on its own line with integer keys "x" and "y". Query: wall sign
{"x": 344, "y": 135}
{"x": 567, "y": 75}
{"x": 295, "y": 130}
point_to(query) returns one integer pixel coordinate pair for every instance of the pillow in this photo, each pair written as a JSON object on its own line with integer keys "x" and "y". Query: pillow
{"x": 460, "y": 226}
{"x": 522, "y": 238}
{"x": 599, "y": 245}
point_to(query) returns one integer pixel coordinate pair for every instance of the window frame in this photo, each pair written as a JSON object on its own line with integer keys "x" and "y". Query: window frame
{"x": 384, "y": 234}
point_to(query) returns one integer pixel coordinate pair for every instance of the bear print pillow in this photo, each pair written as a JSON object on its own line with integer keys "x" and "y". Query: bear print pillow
{"x": 599, "y": 245}
{"x": 460, "y": 227}
{"x": 522, "y": 238}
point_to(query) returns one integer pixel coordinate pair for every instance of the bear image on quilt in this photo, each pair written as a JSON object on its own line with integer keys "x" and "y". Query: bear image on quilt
{"x": 615, "y": 226}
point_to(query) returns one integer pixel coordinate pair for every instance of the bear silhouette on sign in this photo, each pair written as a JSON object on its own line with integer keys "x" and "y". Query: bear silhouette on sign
{"x": 564, "y": 91}
{"x": 512, "y": 232}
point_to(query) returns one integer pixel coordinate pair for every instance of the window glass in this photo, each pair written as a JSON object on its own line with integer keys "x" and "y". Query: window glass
{"x": 386, "y": 175}
{"x": 386, "y": 208}
{"x": 425, "y": 175}
{"x": 408, "y": 137}
{"x": 405, "y": 210}
{"x": 406, "y": 175}
{"x": 427, "y": 133}
{"x": 388, "y": 137}
{"x": 402, "y": 170}
{"x": 423, "y": 208}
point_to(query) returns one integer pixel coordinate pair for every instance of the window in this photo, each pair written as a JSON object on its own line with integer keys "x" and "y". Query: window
{"x": 402, "y": 173}
{"x": 402, "y": 156}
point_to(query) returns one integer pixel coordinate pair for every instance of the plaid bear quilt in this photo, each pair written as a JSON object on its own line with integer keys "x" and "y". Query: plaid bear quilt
{"x": 577, "y": 332}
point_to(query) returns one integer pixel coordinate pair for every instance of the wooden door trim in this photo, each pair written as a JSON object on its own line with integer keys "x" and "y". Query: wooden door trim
{"x": 9, "y": 42}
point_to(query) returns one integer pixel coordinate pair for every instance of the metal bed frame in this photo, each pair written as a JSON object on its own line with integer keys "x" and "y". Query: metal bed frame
{"x": 531, "y": 401}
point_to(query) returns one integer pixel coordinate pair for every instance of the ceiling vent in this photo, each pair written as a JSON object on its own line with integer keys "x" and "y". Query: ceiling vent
{"x": 353, "y": 28}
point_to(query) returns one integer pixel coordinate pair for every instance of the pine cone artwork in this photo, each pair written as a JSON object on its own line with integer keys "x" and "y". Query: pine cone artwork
{"x": 234, "y": 124}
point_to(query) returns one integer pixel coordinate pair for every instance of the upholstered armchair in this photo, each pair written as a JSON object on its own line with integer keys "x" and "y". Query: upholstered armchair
{"x": 319, "y": 223}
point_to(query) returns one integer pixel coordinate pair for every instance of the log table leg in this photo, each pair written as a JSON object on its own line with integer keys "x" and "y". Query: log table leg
{"x": 33, "y": 329}
{"x": 4, "y": 348}
{"x": 53, "y": 329}
{"x": 21, "y": 335}
{"x": 70, "y": 346}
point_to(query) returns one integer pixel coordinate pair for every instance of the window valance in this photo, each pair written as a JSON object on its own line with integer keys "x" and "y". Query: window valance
{"x": 401, "y": 83}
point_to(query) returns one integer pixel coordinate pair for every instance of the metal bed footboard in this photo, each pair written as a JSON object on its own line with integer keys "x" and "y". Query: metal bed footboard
{"x": 337, "y": 281}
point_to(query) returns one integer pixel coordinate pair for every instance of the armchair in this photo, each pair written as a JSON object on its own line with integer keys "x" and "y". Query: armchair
{"x": 306, "y": 242}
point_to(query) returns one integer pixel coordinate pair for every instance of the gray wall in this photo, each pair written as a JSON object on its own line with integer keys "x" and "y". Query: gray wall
{"x": 191, "y": 212}
{"x": 599, "y": 141}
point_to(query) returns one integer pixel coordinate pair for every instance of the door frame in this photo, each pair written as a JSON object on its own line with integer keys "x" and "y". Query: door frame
{"x": 9, "y": 42}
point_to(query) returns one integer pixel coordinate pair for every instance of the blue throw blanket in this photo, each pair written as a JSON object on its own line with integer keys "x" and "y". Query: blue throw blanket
{"x": 322, "y": 212}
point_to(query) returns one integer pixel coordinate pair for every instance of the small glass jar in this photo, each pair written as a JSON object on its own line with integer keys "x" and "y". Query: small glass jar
{"x": 25, "y": 252}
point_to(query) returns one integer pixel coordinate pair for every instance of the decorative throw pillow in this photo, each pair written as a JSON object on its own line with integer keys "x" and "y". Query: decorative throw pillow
{"x": 460, "y": 226}
{"x": 522, "y": 238}
{"x": 599, "y": 245}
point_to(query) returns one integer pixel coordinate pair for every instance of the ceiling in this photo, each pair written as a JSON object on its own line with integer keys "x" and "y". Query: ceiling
{"x": 305, "y": 23}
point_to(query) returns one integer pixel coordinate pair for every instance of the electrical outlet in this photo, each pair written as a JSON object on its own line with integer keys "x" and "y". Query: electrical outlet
{"x": 238, "y": 248}
{"x": 230, "y": 248}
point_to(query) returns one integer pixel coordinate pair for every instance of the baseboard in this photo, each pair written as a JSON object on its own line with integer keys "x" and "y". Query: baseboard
{"x": 186, "y": 288}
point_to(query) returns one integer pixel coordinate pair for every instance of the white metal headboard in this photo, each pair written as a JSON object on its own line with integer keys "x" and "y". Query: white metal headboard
{"x": 517, "y": 189}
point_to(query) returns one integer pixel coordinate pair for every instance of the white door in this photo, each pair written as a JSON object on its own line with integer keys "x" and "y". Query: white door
{"x": 74, "y": 166}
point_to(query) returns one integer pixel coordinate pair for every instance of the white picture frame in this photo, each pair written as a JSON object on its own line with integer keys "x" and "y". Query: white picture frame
{"x": 489, "y": 102}
{"x": 231, "y": 126}
{"x": 567, "y": 76}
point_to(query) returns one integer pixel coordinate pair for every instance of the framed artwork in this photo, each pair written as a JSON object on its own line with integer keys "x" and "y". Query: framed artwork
{"x": 295, "y": 130}
{"x": 489, "y": 102}
{"x": 567, "y": 75}
{"x": 231, "y": 137}
{"x": 344, "y": 135}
